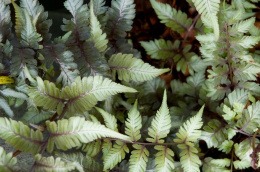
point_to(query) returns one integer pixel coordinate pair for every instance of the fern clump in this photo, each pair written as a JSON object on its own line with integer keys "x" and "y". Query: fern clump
{"x": 90, "y": 102}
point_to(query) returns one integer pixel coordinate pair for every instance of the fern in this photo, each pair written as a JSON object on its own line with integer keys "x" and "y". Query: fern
{"x": 115, "y": 155}
{"x": 176, "y": 20}
{"x": 51, "y": 164}
{"x": 7, "y": 162}
{"x": 138, "y": 159}
{"x": 5, "y": 22}
{"x": 109, "y": 119}
{"x": 134, "y": 123}
{"x": 209, "y": 9}
{"x": 21, "y": 136}
{"x": 77, "y": 131}
{"x": 163, "y": 159}
{"x": 120, "y": 17}
{"x": 215, "y": 165}
{"x": 129, "y": 68}
{"x": 187, "y": 135}
{"x": 161, "y": 124}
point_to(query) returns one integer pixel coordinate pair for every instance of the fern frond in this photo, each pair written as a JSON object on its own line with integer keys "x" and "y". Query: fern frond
{"x": 209, "y": 9}
{"x": 76, "y": 131}
{"x": 160, "y": 48}
{"x": 35, "y": 117}
{"x": 115, "y": 155}
{"x": 50, "y": 164}
{"x": 79, "y": 24}
{"x": 85, "y": 93}
{"x": 226, "y": 146}
{"x": 215, "y": 165}
{"x": 5, "y": 23}
{"x": 120, "y": 18}
{"x": 133, "y": 123}
{"x": 47, "y": 95}
{"x": 161, "y": 124}
{"x": 6, "y": 107}
{"x": 89, "y": 60}
{"x": 164, "y": 159}
{"x": 8, "y": 92}
{"x": 214, "y": 133}
{"x": 110, "y": 120}
{"x": 176, "y": 20}
{"x": 243, "y": 150}
{"x": 138, "y": 159}
{"x": 129, "y": 68}
{"x": 80, "y": 161}
{"x": 19, "y": 19}
{"x": 20, "y": 136}
{"x": 238, "y": 29}
{"x": 21, "y": 59}
{"x": 40, "y": 18}
{"x": 190, "y": 131}
{"x": 92, "y": 148}
{"x": 238, "y": 96}
{"x": 29, "y": 36}
{"x": 97, "y": 36}
{"x": 246, "y": 41}
{"x": 65, "y": 60}
{"x": 250, "y": 118}
{"x": 189, "y": 158}
{"x": 99, "y": 7}
{"x": 7, "y": 161}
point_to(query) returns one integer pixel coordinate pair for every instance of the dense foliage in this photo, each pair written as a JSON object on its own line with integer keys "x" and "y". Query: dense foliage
{"x": 92, "y": 103}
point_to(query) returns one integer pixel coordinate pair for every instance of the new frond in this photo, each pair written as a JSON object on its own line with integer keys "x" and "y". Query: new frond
{"x": 133, "y": 123}
{"x": 20, "y": 136}
{"x": 76, "y": 131}
{"x": 129, "y": 68}
{"x": 161, "y": 124}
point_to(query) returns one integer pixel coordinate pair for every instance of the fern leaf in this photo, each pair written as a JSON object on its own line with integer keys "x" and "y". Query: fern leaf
{"x": 92, "y": 149}
{"x": 20, "y": 136}
{"x": 238, "y": 96}
{"x": 79, "y": 24}
{"x": 77, "y": 131}
{"x": 138, "y": 159}
{"x": 90, "y": 61}
{"x": 50, "y": 164}
{"x": 7, "y": 161}
{"x": 247, "y": 41}
{"x": 120, "y": 18}
{"x": 80, "y": 161}
{"x": 110, "y": 120}
{"x": 129, "y": 68}
{"x": 65, "y": 60}
{"x": 209, "y": 9}
{"x": 84, "y": 94}
{"x": 29, "y": 35}
{"x": 161, "y": 124}
{"x": 6, "y": 107}
{"x": 242, "y": 27}
{"x": 133, "y": 123}
{"x": 160, "y": 49}
{"x": 97, "y": 36}
{"x": 163, "y": 159}
{"x": 189, "y": 158}
{"x": 214, "y": 133}
{"x": 40, "y": 17}
{"x": 189, "y": 132}
{"x": 8, "y": 92}
{"x": 99, "y": 7}
{"x": 35, "y": 117}
{"x": 47, "y": 95}
{"x": 215, "y": 165}
{"x": 22, "y": 59}
{"x": 243, "y": 150}
{"x": 176, "y": 20}
{"x": 5, "y": 23}
{"x": 19, "y": 19}
{"x": 115, "y": 155}
{"x": 226, "y": 146}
